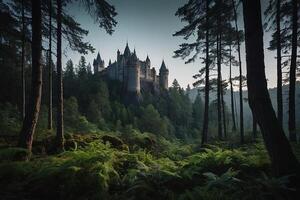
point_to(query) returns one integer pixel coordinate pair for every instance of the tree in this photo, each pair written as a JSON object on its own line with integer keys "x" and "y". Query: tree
{"x": 23, "y": 63}
{"x": 60, "y": 100}
{"x": 82, "y": 69}
{"x": 50, "y": 68}
{"x": 197, "y": 15}
{"x": 197, "y": 112}
{"x": 175, "y": 85}
{"x": 152, "y": 122}
{"x": 282, "y": 158}
{"x": 238, "y": 39}
{"x": 104, "y": 14}
{"x": 292, "y": 86}
{"x": 32, "y": 113}
{"x": 274, "y": 8}
{"x": 231, "y": 91}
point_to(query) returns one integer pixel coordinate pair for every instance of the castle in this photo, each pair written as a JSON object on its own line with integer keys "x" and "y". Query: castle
{"x": 136, "y": 75}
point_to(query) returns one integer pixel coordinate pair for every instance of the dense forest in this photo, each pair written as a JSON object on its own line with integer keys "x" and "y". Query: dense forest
{"x": 70, "y": 132}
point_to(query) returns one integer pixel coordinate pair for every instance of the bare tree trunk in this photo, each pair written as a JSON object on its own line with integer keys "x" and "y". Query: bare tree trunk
{"x": 283, "y": 160}
{"x": 207, "y": 63}
{"x": 241, "y": 80}
{"x": 50, "y": 69}
{"x": 231, "y": 92}
{"x": 32, "y": 113}
{"x": 23, "y": 63}
{"x": 219, "y": 87}
{"x": 292, "y": 86}
{"x": 279, "y": 71}
{"x": 60, "y": 124}
{"x": 223, "y": 111}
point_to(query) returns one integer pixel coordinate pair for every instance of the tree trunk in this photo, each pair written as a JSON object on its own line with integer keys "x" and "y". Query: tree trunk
{"x": 240, "y": 71}
{"x": 279, "y": 71}
{"x": 231, "y": 92}
{"x": 206, "y": 98}
{"x": 50, "y": 69}
{"x": 292, "y": 86}
{"x": 219, "y": 87}
{"x": 282, "y": 158}
{"x": 32, "y": 113}
{"x": 23, "y": 63}
{"x": 60, "y": 124}
{"x": 223, "y": 111}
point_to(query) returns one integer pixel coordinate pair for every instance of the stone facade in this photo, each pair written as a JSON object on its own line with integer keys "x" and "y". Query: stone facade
{"x": 137, "y": 74}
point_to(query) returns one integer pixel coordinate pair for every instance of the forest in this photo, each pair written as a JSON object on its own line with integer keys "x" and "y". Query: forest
{"x": 69, "y": 132}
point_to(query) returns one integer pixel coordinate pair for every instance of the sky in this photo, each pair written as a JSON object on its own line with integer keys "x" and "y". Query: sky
{"x": 148, "y": 26}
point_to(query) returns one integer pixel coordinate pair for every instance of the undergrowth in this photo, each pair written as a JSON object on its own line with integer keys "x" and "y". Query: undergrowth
{"x": 100, "y": 167}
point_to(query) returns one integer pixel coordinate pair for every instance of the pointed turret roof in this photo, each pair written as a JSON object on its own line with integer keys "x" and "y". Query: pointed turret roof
{"x": 163, "y": 66}
{"x": 127, "y": 50}
{"x": 133, "y": 56}
{"x": 98, "y": 56}
{"x": 109, "y": 62}
{"x": 147, "y": 59}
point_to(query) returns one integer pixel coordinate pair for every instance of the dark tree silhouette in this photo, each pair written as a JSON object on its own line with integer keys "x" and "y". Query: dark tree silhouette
{"x": 23, "y": 62}
{"x": 274, "y": 9}
{"x": 292, "y": 86}
{"x": 279, "y": 70}
{"x": 283, "y": 160}
{"x": 32, "y": 113}
{"x": 60, "y": 108}
{"x": 231, "y": 90}
{"x": 207, "y": 64}
{"x": 50, "y": 122}
{"x": 241, "y": 75}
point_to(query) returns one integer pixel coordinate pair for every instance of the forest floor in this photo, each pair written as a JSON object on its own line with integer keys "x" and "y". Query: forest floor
{"x": 108, "y": 165}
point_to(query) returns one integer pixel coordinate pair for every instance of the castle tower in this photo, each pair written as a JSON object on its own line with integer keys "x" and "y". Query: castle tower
{"x": 98, "y": 64}
{"x": 133, "y": 69}
{"x": 147, "y": 68}
{"x": 163, "y": 76}
{"x": 153, "y": 74}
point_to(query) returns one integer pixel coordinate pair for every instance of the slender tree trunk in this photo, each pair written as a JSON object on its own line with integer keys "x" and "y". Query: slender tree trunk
{"x": 207, "y": 85}
{"x": 60, "y": 124}
{"x": 283, "y": 160}
{"x": 23, "y": 63}
{"x": 241, "y": 74}
{"x": 219, "y": 87}
{"x": 279, "y": 71}
{"x": 32, "y": 113}
{"x": 50, "y": 69}
{"x": 236, "y": 113}
{"x": 223, "y": 110}
{"x": 292, "y": 86}
{"x": 231, "y": 92}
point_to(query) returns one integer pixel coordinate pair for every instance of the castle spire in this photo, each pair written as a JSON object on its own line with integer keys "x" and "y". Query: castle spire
{"x": 147, "y": 59}
{"x": 127, "y": 51}
{"x": 163, "y": 66}
{"x": 98, "y": 57}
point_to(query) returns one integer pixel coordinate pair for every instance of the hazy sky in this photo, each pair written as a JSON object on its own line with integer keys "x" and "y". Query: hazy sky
{"x": 148, "y": 26}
